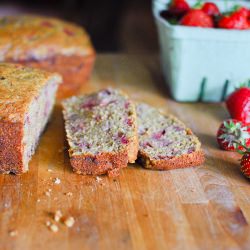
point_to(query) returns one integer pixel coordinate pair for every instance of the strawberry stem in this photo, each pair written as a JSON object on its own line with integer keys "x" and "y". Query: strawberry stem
{"x": 243, "y": 145}
{"x": 245, "y": 84}
{"x": 198, "y": 4}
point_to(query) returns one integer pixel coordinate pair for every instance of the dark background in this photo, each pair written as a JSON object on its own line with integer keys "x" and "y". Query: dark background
{"x": 114, "y": 25}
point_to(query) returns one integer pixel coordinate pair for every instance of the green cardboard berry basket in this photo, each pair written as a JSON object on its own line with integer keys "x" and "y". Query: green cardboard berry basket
{"x": 202, "y": 64}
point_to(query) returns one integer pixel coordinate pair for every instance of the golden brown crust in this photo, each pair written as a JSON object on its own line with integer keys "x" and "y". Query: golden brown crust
{"x": 187, "y": 160}
{"x": 105, "y": 163}
{"x": 11, "y": 135}
{"x": 15, "y": 82}
{"x": 74, "y": 69}
{"x": 36, "y": 37}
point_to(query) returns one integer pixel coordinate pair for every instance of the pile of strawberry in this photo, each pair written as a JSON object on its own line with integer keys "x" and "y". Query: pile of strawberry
{"x": 234, "y": 134}
{"x": 206, "y": 15}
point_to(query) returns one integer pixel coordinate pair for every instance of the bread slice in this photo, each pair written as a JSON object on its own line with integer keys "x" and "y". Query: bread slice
{"x": 101, "y": 131}
{"x": 165, "y": 142}
{"x": 26, "y": 100}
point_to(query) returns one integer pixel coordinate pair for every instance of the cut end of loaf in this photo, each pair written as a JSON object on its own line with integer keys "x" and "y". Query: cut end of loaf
{"x": 36, "y": 119}
{"x": 26, "y": 100}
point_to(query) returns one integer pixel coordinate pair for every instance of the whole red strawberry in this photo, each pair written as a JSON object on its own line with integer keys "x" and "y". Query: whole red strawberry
{"x": 245, "y": 164}
{"x": 233, "y": 133}
{"x": 238, "y": 104}
{"x": 210, "y": 9}
{"x": 197, "y": 18}
{"x": 178, "y": 7}
{"x": 236, "y": 20}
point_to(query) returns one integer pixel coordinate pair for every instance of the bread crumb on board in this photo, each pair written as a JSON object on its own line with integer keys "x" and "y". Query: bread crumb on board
{"x": 47, "y": 223}
{"x": 48, "y": 193}
{"x": 98, "y": 179}
{"x": 57, "y": 181}
{"x": 54, "y": 228}
{"x": 69, "y": 194}
{"x": 13, "y": 233}
{"x": 69, "y": 221}
{"x": 58, "y": 215}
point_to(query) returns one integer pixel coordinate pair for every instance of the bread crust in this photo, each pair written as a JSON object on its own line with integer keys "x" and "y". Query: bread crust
{"x": 11, "y": 135}
{"x": 74, "y": 69}
{"x": 195, "y": 158}
{"x": 25, "y": 37}
{"x": 105, "y": 163}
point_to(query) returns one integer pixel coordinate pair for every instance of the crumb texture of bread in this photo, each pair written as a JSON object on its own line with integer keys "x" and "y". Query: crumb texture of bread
{"x": 101, "y": 130}
{"x": 26, "y": 100}
{"x": 165, "y": 142}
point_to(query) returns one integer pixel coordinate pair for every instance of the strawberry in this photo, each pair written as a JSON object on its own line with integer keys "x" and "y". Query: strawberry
{"x": 232, "y": 134}
{"x": 210, "y": 9}
{"x": 197, "y": 18}
{"x": 245, "y": 164}
{"x": 178, "y": 7}
{"x": 243, "y": 11}
{"x": 235, "y": 20}
{"x": 238, "y": 104}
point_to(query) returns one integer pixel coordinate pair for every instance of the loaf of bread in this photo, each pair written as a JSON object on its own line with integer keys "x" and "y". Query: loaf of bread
{"x": 26, "y": 100}
{"x": 49, "y": 44}
{"x": 101, "y": 130}
{"x": 165, "y": 142}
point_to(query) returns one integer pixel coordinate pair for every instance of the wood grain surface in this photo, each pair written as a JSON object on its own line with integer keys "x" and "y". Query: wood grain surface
{"x": 206, "y": 207}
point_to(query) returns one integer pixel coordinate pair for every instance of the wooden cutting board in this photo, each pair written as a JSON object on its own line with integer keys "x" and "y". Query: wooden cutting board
{"x": 206, "y": 207}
